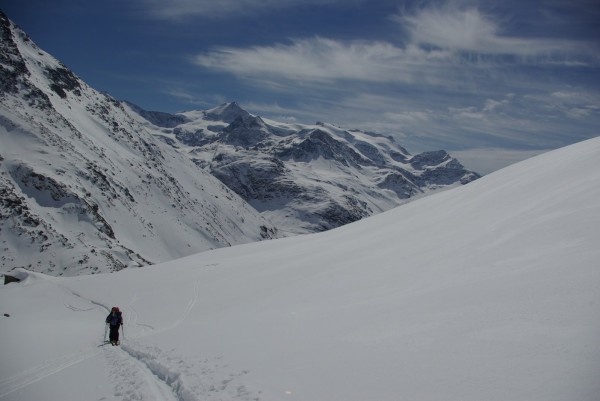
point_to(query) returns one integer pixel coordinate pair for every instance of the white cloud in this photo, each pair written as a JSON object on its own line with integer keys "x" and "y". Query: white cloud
{"x": 411, "y": 116}
{"x": 470, "y": 30}
{"x": 490, "y": 108}
{"x": 446, "y": 28}
{"x": 192, "y": 98}
{"x": 320, "y": 59}
{"x": 491, "y": 104}
{"x": 183, "y": 9}
{"x": 182, "y": 94}
{"x": 445, "y": 44}
{"x": 276, "y": 111}
{"x": 574, "y": 104}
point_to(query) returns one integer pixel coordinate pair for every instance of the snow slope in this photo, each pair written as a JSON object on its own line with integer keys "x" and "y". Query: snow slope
{"x": 484, "y": 292}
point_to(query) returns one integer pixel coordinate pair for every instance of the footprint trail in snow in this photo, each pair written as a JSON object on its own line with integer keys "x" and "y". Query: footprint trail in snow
{"x": 150, "y": 373}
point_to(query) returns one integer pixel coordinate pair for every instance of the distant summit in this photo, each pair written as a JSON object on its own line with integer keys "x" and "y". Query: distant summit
{"x": 308, "y": 178}
{"x": 227, "y": 112}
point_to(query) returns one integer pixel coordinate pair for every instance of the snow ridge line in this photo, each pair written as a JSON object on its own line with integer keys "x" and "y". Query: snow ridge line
{"x": 172, "y": 379}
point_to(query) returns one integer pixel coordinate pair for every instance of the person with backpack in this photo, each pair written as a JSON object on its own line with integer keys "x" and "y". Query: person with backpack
{"x": 114, "y": 320}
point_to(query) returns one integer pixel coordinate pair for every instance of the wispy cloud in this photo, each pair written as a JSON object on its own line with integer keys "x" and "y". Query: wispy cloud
{"x": 467, "y": 29}
{"x": 576, "y": 104}
{"x": 186, "y": 96}
{"x": 178, "y": 10}
{"x": 443, "y": 45}
{"x": 321, "y": 59}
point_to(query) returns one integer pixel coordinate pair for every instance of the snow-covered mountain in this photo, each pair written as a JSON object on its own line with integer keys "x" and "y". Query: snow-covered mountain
{"x": 304, "y": 178}
{"x": 89, "y": 183}
{"x": 85, "y": 188}
{"x": 488, "y": 292}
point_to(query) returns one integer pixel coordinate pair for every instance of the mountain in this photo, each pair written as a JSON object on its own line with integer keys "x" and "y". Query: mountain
{"x": 487, "y": 291}
{"x": 90, "y": 184}
{"x": 305, "y": 178}
{"x": 85, "y": 188}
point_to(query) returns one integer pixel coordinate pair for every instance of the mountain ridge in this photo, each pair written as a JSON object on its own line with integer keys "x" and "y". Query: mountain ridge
{"x": 308, "y": 178}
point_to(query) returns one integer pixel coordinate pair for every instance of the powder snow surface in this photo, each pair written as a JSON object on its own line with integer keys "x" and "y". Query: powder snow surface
{"x": 484, "y": 292}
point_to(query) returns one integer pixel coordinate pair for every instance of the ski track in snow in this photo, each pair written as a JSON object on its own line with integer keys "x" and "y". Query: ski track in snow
{"x": 134, "y": 381}
{"x": 132, "y": 318}
{"x": 148, "y": 373}
{"x": 132, "y": 315}
{"x": 188, "y": 307}
{"x": 91, "y": 301}
{"x": 41, "y": 371}
{"x": 142, "y": 372}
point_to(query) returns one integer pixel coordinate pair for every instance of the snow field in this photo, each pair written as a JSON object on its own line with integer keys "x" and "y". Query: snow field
{"x": 484, "y": 292}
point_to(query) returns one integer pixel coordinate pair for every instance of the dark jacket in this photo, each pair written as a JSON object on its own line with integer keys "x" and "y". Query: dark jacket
{"x": 114, "y": 319}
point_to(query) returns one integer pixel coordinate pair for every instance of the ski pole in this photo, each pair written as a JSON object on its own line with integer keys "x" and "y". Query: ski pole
{"x": 123, "y": 330}
{"x": 105, "y": 331}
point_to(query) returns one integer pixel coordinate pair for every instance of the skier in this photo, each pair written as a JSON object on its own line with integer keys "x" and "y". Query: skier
{"x": 114, "y": 320}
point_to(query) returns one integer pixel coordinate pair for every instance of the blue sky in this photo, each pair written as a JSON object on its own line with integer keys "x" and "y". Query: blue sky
{"x": 492, "y": 82}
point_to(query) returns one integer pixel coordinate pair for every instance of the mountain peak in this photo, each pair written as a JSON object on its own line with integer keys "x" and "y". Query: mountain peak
{"x": 227, "y": 112}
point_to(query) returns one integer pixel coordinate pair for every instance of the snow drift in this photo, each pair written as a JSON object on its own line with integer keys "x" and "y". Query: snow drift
{"x": 483, "y": 292}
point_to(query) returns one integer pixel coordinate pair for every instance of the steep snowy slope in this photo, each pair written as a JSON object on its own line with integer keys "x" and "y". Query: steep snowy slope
{"x": 484, "y": 292}
{"x": 305, "y": 178}
{"x": 85, "y": 188}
